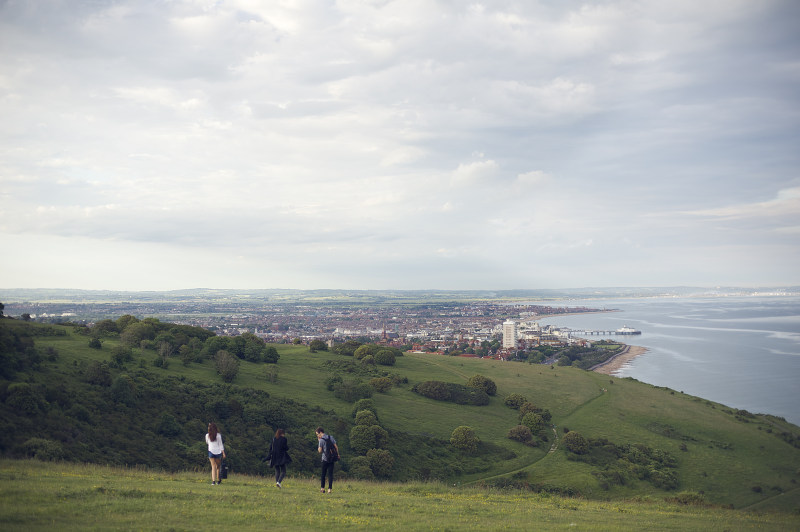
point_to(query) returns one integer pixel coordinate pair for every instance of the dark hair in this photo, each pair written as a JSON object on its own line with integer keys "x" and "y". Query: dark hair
{"x": 279, "y": 433}
{"x": 212, "y": 432}
{"x": 320, "y": 429}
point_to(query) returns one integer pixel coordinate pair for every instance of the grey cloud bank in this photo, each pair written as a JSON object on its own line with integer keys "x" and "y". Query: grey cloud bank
{"x": 152, "y": 146}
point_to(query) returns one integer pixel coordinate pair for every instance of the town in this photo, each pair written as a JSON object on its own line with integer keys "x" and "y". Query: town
{"x": 499, "y": 330}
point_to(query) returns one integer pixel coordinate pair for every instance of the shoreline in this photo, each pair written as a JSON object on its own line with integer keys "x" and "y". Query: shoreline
{"x": 615, "y": 363}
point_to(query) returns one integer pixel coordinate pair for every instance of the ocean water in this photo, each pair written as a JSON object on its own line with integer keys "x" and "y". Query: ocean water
{"x": 743, "y": 352}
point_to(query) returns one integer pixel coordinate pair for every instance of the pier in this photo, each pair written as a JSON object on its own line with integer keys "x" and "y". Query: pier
{"x": 624, "y": 331}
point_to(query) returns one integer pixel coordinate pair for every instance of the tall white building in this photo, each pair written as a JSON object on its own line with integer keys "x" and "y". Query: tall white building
{"x": 509, "y": 334}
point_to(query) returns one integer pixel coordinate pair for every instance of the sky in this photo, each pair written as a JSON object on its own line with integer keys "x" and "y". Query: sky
{"x": 158, "y": 145}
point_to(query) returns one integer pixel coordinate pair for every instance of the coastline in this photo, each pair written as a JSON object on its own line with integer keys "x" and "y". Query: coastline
{"x": 615, "y": 363}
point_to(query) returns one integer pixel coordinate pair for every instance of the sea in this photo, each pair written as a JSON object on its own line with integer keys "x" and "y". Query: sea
{"x": 741, "y": 351}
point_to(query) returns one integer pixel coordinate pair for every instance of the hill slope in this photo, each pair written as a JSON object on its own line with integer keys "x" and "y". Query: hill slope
{"x": 643, "y": 440}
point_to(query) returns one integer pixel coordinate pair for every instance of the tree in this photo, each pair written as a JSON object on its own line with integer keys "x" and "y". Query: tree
{"x": 385, "y": 357}
{"x": 364, "y": 404}
{"x": 26, "y": 316}
{"x": 366, "y": 417}
{"x": 575, "y": 442}
{"x": 533, "y": 421}
{"x": 97, "y": 373}
{"x": 515, "y": 400}
{"x": 381, "y": 384}
{"x": 227, "y": 365}
{"x": 135, "y": 332}
{"x": 317, "y": 345}
{"x": 363, "y": 351}
{"x": 366, "y": 437}
{"x": 123, "y": 391}
{"x": 483, "y": 383}
{"x": 464, "y": 439}
{"x": 381, "y": 462}
{"x": 95, "y": 343}
{"x": 520, "y": 433}
{"x": 1, "y": 310}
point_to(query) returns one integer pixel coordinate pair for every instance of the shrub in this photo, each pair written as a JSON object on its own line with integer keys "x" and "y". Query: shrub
{"x": 515, "y": 400}
{"x": 483, "y": 383}
{"x": 43, "y": 449}
{"x": 352, "y": 391}
{"x": 25, "y": 399}
{"x": 381, "y": 384}
{"x": 520, "y": 433}
{"x": 456, "y": 393}
{"x": 364, "y": 404}
{"x": 227, "y": 365}
{"x": 360, "y": 469}
{"x": 317, "y": 345}
{"x": 535, "y": 422}
{"x": 576, "y": 443}
{"x": 123, "y": 391}
{"x": 363, "y": 351}
{"x": 464, "y": 439}
{"x": 366, "y": 437}
{"x": 121, "y": 354}
{"x": 381, "y": 462}
{"x": 366, "y": 417}
{"x": 97, "y": 373}
{"x": 95, "y": 343}
{"x": 385, "y": 357}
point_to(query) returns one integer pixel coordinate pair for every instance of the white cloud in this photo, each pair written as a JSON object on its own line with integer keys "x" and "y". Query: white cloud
{"x": 364, "y": 133}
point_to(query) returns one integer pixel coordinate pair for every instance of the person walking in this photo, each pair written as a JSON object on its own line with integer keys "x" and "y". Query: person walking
{"x": 279, "y": 456}
{"x": 216, "y": 451}
{"x": 330, "y": 454}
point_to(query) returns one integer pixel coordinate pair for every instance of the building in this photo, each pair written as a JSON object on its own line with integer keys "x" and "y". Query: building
{"x": 509, "y": 334}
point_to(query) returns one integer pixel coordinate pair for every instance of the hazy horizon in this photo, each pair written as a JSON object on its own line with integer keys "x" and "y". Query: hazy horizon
{"x": 150, "y": 146}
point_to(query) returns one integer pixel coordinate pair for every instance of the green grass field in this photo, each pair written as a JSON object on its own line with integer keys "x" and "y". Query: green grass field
{"x": 57, "y": 496}
{"x": 723, "y": 457}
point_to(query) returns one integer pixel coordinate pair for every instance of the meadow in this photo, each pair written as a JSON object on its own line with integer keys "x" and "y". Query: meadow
{"x": 720, "y": 458}
{"x": 59, "y": 496}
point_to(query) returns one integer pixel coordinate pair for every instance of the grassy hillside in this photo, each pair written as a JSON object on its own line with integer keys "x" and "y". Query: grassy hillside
{"x": 45, "y": 496}
{"x": 720, "y": 456}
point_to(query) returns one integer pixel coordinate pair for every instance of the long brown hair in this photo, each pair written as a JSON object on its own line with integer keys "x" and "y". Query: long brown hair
{"x": 279, "y": 433}
{"x": 212, "y": 432}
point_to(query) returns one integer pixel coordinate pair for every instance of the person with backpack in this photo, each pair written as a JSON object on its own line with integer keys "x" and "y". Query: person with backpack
{"x": 330, "y": 454}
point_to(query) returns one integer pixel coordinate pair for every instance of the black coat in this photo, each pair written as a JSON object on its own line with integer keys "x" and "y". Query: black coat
{"x": 279, "y": 452}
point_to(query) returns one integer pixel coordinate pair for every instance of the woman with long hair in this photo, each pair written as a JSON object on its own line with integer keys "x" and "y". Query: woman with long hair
{"x": 216, "y": 451}
{"x": 279, "y": 456}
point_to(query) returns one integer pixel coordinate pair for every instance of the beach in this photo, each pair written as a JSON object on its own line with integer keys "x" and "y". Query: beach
{"x": 614, "y": 364}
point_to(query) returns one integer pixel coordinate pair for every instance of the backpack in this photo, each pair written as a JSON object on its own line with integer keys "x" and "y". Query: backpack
{"x": 330, "y": 451}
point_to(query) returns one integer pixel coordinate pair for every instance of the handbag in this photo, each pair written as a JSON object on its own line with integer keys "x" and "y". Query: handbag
{"x": 223, "y": 471}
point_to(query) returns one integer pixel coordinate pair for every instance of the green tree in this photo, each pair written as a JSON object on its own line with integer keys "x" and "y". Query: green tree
{"x": 364, "y": 404}
{"x": 123, "y": 391}
{"x": 381, "y": 462}
{"x": 317, "y": 345}
{"x": 483, "y": 383}
{"x": 364, "y": 350}
{"x": 385, "y": 357}
{"x": 381, "y": 384}
{"x": 366, "y": 437}
{"x": 533, "y": 421}
{"x": 464, "y": 439}
{"x": 227, "y": 365}
{"x": 366, "y": 417}
{"x": 515, "y": 400}
{"x": 95, "y": 343}
{"x": 520, "y": 433}
{"x": 576, "y": 443}
{"x": 135, "y": 332}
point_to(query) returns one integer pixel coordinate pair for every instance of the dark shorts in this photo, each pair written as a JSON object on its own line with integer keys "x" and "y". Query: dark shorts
{"x": 212, "y": 455}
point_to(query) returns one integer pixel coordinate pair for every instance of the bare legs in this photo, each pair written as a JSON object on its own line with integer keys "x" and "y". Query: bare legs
{"x": 215, "y": 464}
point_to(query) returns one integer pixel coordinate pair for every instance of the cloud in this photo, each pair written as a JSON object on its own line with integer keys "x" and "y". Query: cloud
{"x": 404, "y": 144}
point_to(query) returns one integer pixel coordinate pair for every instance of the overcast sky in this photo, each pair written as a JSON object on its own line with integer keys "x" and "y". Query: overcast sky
{"x": 152, "y": 145}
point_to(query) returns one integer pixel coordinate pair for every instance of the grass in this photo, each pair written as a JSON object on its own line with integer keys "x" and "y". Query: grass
{"x": 728, "y": 459}
{"x": 46, "y": 496}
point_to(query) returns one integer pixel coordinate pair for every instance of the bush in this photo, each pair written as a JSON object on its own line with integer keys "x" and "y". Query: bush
{"x": 364, "y": 404}
{"x": 515, "y": 400}
{"x": 317, "y": 345}
{"x": 483, "y": 383}
{"x": 366, "y": 437}
{"x": 381, "y": 384}
{"x": 464, "y": 439}
{"x": 448, "y": 391}
{"x": 227, "y": 365}
{"x": 385, "y": 357}
{"x": 352, "y": 391}
{"x": 123, "y": 391}
{"x": 43, "y": 449}
{"x": 95, "y": 343}
{"x": 363, "y": 351}
{"x": 535, "y": 422}
{"x": 381, "y": 462}
{"x": 366, "y": 417}
{"x": 520, "y": 433}
{"x": 97, "y": 373}
{"x": 576, "y": 443}
{"x": 360, "y": 469}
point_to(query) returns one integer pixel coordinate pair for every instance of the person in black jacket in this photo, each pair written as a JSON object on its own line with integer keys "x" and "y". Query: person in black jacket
{"x": 279, "y": 456}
